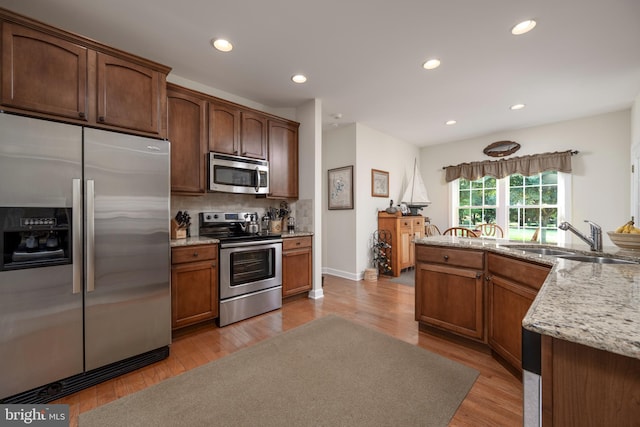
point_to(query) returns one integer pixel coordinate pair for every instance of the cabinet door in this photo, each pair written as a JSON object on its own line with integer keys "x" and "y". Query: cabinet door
{"x": 450, "y": 298}
{"x": 508, "y": 304}
{"x": 128, "y": 95}
{"x": 42, "y": 73}
{"x": 224, "y": 128}
{"x": 417, "y": 230}
{"x": 253, "y": 135}
{"x": 405, "y": 237}
{"x": 194, "y": 293}
{"x": 283, "y": 160}
{"x": 296, "y": 271}
{"x": 187, "y": 131}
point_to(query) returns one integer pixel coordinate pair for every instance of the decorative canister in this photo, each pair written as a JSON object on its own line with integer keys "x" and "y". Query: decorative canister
{"x": 276, "y": 225}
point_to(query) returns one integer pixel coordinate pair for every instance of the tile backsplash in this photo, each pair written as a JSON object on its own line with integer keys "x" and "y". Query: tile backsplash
{"x": 301, "y": 210}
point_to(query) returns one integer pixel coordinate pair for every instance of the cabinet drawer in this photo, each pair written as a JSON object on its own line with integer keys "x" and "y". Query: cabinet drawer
{"x": 418, "y": 222}
{"x": 523, "y": 272}
{"x": 296, "y": 243}
{"x": 193, "y": 253}
{"x": 405, "y": 223}
{"x": 445, "y": 255}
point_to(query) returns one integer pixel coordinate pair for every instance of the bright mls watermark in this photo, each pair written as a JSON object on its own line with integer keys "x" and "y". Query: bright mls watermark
{"x": 34, "y": 415}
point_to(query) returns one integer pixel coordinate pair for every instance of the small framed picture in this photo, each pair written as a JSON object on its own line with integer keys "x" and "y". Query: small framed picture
{"x": 341, "y": 188}
{"x": 379, "y": 183}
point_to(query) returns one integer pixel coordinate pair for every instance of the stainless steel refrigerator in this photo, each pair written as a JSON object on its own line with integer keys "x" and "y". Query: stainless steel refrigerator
{"x": 85, "y": 271}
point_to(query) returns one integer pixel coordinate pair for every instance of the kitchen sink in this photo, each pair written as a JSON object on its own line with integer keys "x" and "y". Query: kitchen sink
{"x": 547, "y": 251}
{"x": 541, "y": 251}
{"x": 597, "y": 259}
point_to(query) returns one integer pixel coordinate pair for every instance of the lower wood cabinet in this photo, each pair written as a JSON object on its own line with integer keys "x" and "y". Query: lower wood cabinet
{"x": 297, "y": 265}
{"x": 512, "y": 287}
{"x": 404, "y": 230}
{"x": 585, "y": 386}
{"x": 481, "y": 297}
{"x": 194, "y": 284}
{"x": 449, "y": 290}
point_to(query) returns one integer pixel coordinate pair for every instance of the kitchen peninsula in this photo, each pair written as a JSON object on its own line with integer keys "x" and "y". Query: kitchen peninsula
{"x": 588, "y": 317}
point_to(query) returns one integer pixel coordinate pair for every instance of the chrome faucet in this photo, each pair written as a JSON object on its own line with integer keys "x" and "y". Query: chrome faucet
{"x": 594, "y": 241}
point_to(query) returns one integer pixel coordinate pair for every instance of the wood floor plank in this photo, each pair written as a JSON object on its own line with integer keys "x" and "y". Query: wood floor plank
{"x": 494, "y": 400}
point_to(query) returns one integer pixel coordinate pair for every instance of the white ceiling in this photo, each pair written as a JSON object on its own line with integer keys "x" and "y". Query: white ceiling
{"x": 364, "y": 58}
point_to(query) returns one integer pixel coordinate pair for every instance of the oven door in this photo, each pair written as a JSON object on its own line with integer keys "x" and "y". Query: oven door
{"x": 247, "y": 267}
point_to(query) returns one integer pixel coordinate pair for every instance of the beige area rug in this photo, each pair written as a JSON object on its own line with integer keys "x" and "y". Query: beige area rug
{"x": 329, "y": 372}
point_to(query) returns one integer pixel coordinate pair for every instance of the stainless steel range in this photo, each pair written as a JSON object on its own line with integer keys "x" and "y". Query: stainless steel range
{"x": 250, "y": 265}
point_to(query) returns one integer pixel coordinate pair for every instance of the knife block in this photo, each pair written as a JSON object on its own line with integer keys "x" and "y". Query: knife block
{"x": 176, "y": 231}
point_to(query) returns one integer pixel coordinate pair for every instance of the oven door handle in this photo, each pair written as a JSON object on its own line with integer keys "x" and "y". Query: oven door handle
{"x": 251, "y": 243}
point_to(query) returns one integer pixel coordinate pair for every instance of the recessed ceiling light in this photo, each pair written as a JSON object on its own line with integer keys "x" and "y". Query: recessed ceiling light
{"x": 450, "y": 122}
{"x": 299, "y": 78}
{"x": 523, "y": 27}
{"x": 517, "y": 106}
{"x": 222, "y": 45}
{"x": 431, "y": 64}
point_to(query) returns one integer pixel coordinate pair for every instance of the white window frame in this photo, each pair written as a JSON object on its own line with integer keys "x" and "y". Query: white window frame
{"x": 502, "y": 215}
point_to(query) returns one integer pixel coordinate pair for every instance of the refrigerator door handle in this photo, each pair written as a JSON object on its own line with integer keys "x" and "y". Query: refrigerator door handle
{"x": 76, "y": 244}
{"x": 91, "y": 247}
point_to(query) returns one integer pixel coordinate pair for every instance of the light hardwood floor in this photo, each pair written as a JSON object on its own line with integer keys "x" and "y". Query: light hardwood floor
{"x": 494, "y": 400}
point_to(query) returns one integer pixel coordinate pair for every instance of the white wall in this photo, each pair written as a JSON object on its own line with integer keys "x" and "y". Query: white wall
{"x": 601, "y": 171}
{"x": 339, "y": 231}
{"x": 309, "y": 115}
{"x": 635, "y": 160}
{"x": 347, "y": 233}
{"x": 376, "y": 150}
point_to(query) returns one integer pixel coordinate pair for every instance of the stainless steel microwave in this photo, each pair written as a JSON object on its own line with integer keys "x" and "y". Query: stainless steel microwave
{"x": 236, "y": 174}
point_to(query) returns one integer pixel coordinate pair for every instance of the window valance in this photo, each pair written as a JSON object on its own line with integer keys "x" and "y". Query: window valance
{"x": 523, "y": 165}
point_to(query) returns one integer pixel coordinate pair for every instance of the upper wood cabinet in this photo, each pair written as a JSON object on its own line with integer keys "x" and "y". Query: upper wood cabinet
{"x": 232, "y": 130}
{"x": 50, "y": 73}
{"x": 253, "y": 135}
{"x": 128, "y": 95}
{"x": 187, "y": 131}
{"x": 43, "y": 74}
{"x": 283, "y": 159}
{"x": 224, "y": 128}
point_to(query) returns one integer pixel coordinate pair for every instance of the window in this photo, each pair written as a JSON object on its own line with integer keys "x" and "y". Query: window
{"x": 526, "y": 207}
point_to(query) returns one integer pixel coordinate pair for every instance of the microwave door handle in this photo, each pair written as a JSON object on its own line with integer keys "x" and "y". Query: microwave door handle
{"x": 257, "y": 180}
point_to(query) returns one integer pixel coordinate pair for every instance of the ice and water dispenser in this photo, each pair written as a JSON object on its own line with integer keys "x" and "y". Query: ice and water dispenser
{"x": 34, "y": 237}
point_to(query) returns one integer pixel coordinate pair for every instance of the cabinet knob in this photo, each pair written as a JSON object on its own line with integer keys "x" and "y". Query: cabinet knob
{"x": 478, "y": 275}
{"x": 487, "y": 277}
{"x": 297, "y": 243}
{"x": 195, "y": 254}
{"x": 213, "y": 264}
{"x": 81, "y": 114}
{"x": 101, "y": 119}
{"x": 446, "y": 257}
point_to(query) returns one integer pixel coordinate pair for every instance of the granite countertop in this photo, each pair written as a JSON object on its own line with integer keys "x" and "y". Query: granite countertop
{"x": 597, "y": 305}
{"x": 286, "y": 235}
{"x": 192, "y": 241}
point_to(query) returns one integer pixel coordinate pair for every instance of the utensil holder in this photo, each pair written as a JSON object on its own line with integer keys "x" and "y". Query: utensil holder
{"x": 276, "y": 225}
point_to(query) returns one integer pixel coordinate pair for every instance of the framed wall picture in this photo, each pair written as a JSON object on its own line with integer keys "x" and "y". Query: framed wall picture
{"x": 341, "y": 188}
{"x": 379, "y": 183}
